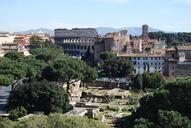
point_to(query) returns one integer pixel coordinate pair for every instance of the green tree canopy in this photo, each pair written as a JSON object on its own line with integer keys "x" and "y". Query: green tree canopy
{"x": 13, "y": 55}
{"x": 6, "y": 80}
{"x": 38, "y": 42}
{"x": 149, "y": 80}
{"x": 116, "y": 68}
{"x": 138, "y": 82}
{"x": 173, "y": 96}
{"x": 68, "y": 70}
{"x": 46, "y": 54}
{"x": 52, "y": 121}
{"x": 39, "y": 96}
{"x": 173, "y": 119}
{"x": 172, "y": 39}
{"x": 17, "y": 113}
{"x": 107, "y": 56}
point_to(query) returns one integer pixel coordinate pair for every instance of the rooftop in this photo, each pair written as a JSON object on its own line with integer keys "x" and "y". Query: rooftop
{"x": 184, "y": 47}
{"x": 76, "y": 32}
{"x": 139, "y": 55}
{"x": 171, "y": 49}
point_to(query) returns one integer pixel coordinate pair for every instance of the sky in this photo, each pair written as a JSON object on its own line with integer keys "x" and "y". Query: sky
{"x": 166, "y": 15}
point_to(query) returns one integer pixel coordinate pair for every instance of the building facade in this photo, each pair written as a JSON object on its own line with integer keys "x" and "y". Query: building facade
{"x": 178, "y": 61}
{"x": 6, "y": 37}
{"x": 112, "y": 42}
{"x": 76, "y": 42}
{"x": 145, "y": 62}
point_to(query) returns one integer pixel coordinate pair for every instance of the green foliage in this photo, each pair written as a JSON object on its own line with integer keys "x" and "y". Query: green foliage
{"x": 15, "y": 69}
{"x": 46, "y": 54}
{"x": 90, "y": 74}
{"x": 17, "y": 113}
{"x": 37, "y": 42}
{"x": 156, "y": 80}
{"x": 116, "y": 68}
{"x": 148, "y": 81}
{"x": 35, "y": 121}
{"x": 68, "y": 70}
{"x": 6, "y": 80}
{"x": 107, "y": 56}
{"x": 138, "y": 82}
{"x": 172, "y": 39}
{"x": 39, "y": 96}
{"x": 143, "y": 123}
{"x": 173, "y": 96}
{"x": 14, "y": 55}
{"x": 171, "y": 119}
{"x": 5, "y": 123}
{"x": 52, "y": 121}
{"x": 60, "y": 121}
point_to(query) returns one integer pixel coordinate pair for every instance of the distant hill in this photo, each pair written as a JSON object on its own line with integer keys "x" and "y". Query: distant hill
{"x": 39, "y": 30}
{"x": 134, "y": 31}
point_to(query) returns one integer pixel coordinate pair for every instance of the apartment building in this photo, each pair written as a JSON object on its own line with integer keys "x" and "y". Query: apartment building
{"x": 144, "y": 62}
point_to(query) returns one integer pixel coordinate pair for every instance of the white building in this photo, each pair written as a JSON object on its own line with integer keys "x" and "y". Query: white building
{"x": 145, "y": 62}
{"x": 6, "y": 37}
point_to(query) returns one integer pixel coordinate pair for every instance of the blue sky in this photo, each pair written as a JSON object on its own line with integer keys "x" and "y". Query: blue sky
{"x": 168, "y": 15}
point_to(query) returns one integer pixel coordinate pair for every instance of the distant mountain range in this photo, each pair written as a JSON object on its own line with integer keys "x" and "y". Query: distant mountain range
{"x": 135, "y": 31}
{"x": 39, "y": 30}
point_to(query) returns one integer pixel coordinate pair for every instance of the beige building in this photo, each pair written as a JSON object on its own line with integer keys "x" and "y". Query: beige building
{"x": 178, "y": 61}
{"x": 114, "y": 42}
{"x": 6, "y": 37}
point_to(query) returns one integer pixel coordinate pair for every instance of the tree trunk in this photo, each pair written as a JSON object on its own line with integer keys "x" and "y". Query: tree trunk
{"x": 68, "y": 87}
